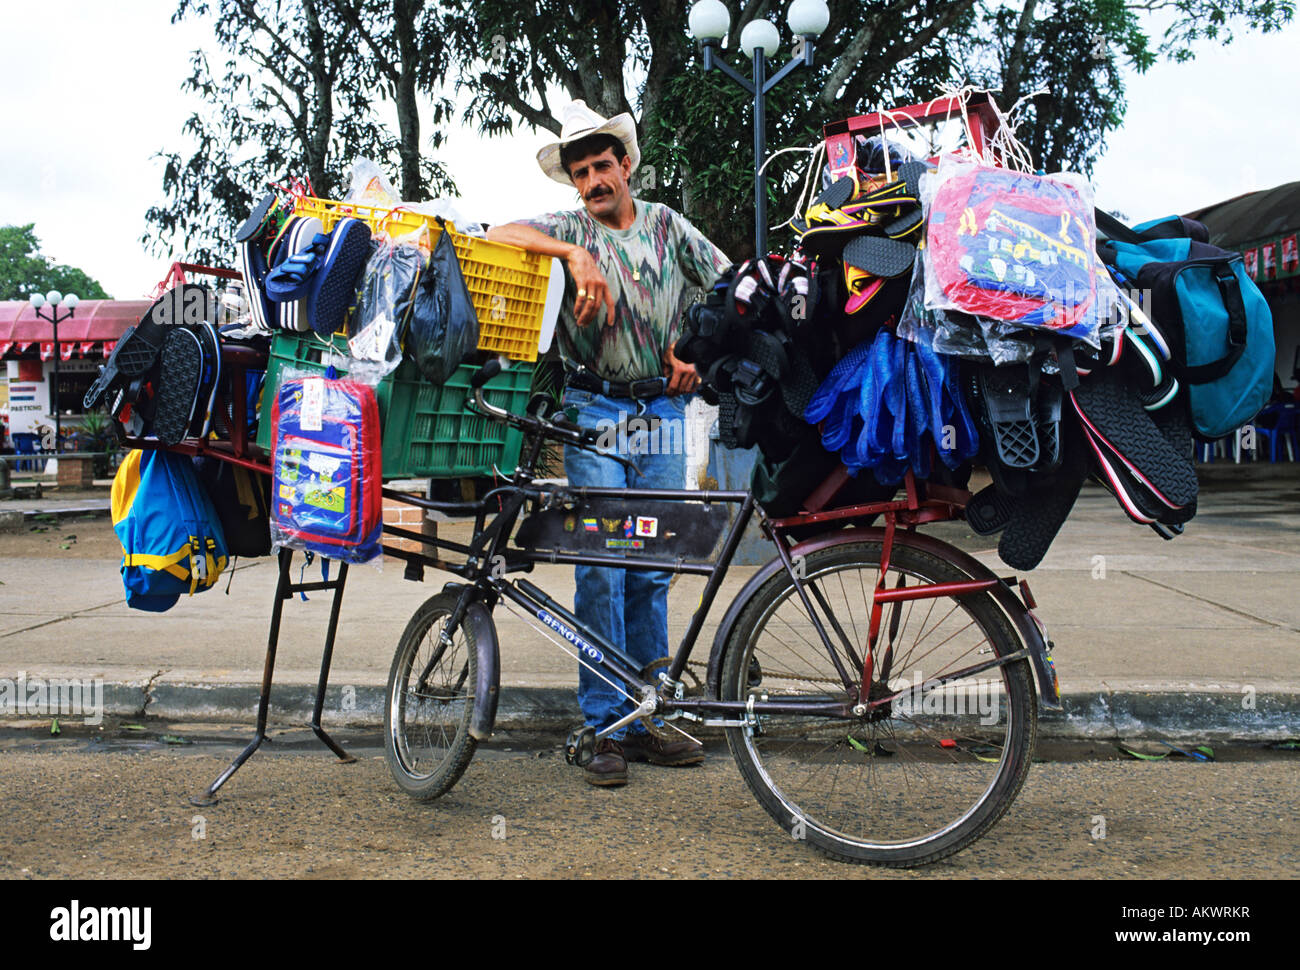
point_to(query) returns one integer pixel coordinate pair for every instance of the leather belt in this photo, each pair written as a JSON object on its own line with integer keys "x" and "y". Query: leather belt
{"x": 642, "y": 390}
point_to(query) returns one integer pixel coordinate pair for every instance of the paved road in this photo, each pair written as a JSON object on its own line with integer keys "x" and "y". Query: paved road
{"x": 72, "y": 808}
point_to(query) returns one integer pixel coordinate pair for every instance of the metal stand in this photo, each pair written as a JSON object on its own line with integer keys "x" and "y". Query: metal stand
{"x": 285, "y": 589}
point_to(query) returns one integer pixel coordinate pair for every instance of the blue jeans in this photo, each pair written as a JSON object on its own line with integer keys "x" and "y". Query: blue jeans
{"x": 628, "y": 608}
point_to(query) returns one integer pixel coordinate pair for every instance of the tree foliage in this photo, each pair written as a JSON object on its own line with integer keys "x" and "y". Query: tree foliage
{"x": 24, "y": 270}
{"x": 295, "y": 89}
{"x": 301, "y": 82}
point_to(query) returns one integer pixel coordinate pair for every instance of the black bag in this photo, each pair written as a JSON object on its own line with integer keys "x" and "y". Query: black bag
{"x": 443, "y": 328}
{"x": 242, "y": 499}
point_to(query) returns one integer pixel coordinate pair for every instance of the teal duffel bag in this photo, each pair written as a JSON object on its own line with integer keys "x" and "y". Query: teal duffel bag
{"x": 1217, "y": 322}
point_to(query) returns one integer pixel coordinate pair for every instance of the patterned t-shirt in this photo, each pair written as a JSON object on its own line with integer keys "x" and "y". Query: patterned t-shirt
{"x": 651, "y": 269}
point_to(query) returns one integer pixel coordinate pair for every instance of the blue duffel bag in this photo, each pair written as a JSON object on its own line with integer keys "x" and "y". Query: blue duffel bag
{"x": 1217, "y": 322}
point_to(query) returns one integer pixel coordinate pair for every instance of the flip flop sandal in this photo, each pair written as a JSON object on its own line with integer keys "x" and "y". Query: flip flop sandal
{"x": 1004, "y": 392}
{"x": 209, "y": 381}
{"x": 904, "y": 225}
{"x": 910, "y": 174}
{"x": 253, "y": 268}
{"x": 1047, "y": 419}
{"x": 880, "y": 256}
{"x": 257, "y": 219}
{"x": 862, "y": 287}
{"x": 1036, "y": 519}
{"x": 137, "y": 350}
{"x": 838, "y": 193}
{"x": 179, "y": 377}
{"x": 303, "y": 236}
{"x": 335, "y": 284}
{"x": 989, "y": 510}
{"x": 1112, "y": 413}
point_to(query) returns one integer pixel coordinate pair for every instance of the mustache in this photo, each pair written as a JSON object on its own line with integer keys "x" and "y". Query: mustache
{"x": 598, "y": 194}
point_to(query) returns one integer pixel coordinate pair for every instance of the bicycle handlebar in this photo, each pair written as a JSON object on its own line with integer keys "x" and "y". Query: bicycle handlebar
{"x": 557, "y": 427}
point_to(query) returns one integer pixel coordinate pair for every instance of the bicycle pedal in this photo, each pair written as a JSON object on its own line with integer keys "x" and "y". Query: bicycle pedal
{"x": 580, "y": 748}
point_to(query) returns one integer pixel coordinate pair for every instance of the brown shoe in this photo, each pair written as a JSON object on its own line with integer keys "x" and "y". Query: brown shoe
{"x": 609, "y": 767}
{"x": 658, "y": 751}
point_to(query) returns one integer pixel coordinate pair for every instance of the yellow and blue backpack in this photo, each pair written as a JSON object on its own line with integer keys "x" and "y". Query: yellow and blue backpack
{"x": 172, "y": 541}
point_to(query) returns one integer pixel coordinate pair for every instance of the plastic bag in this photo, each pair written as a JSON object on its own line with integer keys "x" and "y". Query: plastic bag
{"x": 443, "y": 328}
{"x": 382, "y": 310}
{"x": 1012, "y": 247}
{"x": 326, "y": 462}
{"x": 369, "y": 186}
{"x": 959, "y": 334}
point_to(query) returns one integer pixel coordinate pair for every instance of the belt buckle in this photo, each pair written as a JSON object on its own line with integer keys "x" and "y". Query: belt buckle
{"x": 646, "y": 388}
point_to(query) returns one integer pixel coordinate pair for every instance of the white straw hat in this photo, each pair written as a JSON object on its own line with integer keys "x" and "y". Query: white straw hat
{"x": 578, "y": 122}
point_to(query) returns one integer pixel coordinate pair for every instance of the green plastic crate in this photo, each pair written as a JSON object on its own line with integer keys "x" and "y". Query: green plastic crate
{"x": 427, "y": 431}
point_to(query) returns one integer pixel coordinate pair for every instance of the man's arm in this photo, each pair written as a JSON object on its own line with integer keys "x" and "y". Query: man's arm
{"x": 592, "y": 288}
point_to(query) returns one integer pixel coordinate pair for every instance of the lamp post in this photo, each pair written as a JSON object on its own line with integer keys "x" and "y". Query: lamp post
{"x": 55, "y": 300}
{"x": 709, "y": 22}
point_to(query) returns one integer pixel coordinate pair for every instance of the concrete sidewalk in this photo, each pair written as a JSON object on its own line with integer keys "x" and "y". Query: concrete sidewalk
{"x": 1194, "y": 638}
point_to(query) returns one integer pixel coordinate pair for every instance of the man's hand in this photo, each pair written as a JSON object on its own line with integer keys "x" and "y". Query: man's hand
{"x": 682, "y": 378}
{"x": 592, "y": 288}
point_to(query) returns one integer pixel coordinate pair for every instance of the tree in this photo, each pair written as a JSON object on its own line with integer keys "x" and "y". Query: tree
{"x": 23, "y": 270}
{"x": 295, "y": 95}
{"x": 634, "y": 55}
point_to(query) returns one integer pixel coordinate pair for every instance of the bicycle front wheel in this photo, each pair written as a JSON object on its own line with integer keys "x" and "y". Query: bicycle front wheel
{"x": 922, "y": 774}
{"x": 430, "y": 702}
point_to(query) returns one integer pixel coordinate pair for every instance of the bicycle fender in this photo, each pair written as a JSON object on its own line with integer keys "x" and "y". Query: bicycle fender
{"x": 1011, "y": 605}
{"x": 487, "y": 690}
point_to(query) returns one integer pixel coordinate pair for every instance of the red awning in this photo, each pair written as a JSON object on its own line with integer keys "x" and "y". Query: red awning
{"x": 95, "y": 321}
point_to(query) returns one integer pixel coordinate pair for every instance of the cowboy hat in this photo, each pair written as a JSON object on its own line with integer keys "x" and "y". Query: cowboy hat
{"x": 580, "y": 122}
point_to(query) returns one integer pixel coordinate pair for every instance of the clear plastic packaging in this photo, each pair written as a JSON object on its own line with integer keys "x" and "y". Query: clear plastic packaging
{"x": 1012, "y": 247}
{"x": 369, "y": 186}
{"x": 326, "y": 462}
{"x": 385, "y": 296}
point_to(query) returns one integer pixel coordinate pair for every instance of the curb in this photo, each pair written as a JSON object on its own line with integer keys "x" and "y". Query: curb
{"x": 1086, "y": 715}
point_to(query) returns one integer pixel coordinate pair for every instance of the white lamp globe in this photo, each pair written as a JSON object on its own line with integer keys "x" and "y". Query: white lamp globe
{"x": 709, "y": 20}
{"x": 760, "y": 34}
{"x": 53, "y": 297}
{"x": 36, "y": 300}
{"x": 808, "y": 18}
{"x": 71, "y": 300}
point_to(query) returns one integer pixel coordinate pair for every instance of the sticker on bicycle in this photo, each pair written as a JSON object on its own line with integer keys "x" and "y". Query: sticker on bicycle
{"x": 591, "y": 652}
{"x": 624, "y": 543}
{"x": 647, "y": 527}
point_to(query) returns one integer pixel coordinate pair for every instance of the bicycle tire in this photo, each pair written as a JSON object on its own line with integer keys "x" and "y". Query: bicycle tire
{"x": 427, "y": 743}
{"x": 919, "y": 779}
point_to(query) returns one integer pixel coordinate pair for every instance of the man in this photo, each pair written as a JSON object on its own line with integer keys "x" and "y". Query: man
{"x": 630, "y": 268}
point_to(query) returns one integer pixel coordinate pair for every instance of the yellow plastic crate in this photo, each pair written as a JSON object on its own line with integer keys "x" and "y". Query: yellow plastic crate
{"x": 507, "y": 284}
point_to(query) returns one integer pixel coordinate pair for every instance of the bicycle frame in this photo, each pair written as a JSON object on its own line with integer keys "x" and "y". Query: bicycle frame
{"x": 489, "y": 559}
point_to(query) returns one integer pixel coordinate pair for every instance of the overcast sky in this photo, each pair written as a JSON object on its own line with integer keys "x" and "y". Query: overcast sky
{"x": 89, "y": 91}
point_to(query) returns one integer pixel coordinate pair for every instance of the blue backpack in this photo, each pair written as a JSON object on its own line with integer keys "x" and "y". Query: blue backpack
{"x": 1217, "y": 321}
{"x": 172, "y": 542}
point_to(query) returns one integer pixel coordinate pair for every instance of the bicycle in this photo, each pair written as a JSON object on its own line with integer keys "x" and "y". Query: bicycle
{"x": 876, "y": 686}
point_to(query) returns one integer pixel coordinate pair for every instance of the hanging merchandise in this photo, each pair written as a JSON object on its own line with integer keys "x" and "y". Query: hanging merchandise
{"x": 172, "y": 540}
{"x": 1218, "y": 324}
{"x": 379, "y": 316}
{"x": 1014, "y": 247}
{"x": 889, "y": 405}
{"x": 326, "y": 490}
{"x": 443, "y": 328}
{"x": 759, "y": 355}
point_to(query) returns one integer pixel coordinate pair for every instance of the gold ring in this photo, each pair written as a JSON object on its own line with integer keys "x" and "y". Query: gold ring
{"x": 582, "y": 293}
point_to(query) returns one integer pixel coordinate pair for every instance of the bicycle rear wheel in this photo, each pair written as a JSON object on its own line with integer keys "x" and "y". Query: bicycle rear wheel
{"x": 427, "y": 743}
{"x": 916, "y": 778}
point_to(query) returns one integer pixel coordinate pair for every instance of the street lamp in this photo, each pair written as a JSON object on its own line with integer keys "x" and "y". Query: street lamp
{"x": 710, "y": 21}
{"x": 55, "y": 299}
